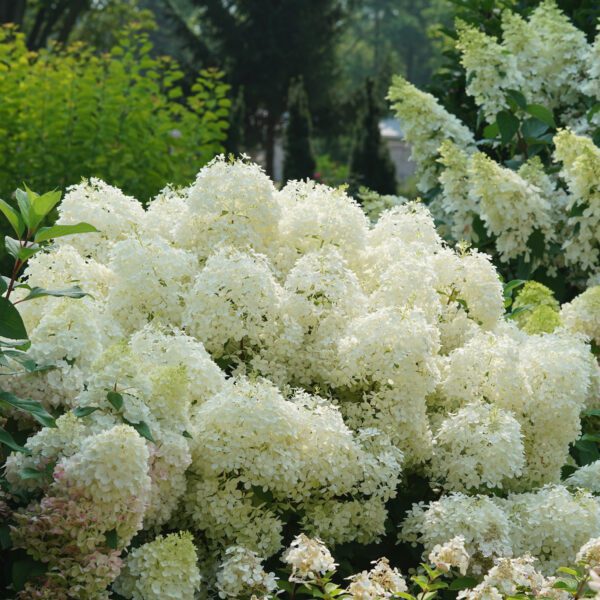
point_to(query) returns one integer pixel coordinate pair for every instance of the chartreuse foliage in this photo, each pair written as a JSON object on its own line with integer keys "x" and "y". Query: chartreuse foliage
{"x": 68, "y": 113}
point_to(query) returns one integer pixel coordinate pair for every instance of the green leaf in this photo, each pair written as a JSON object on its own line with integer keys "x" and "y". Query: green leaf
{"x": 49, "y": 233}
{"x": 43, "y": 204}
{"x": 491, "y": 131}
{"x": 463, "y": 583}
{"x": 34, "y": 408}
{"x": 112, "y": 539}
{"x": 11, "y": 323}
{"x": 14, "y": 218}
{"x": 142, "y": 428}
{"x": 8, "y": 440}
{"x": 512, "y": 285}
{"x": 29, "y": 473}
{"x": 519, "y": 310}
{"x": 568, "y": 571}
{"x": 3, "y": 285}
{"x": 25, "y": 207}
{"x": 508, "y": 125}
{"x": 533, "y": 128}
{"x": 590, "y": 437}
{"x": 84, "y": 411}
{"x": 517, "y": 97}
{"x": 19, "y": 252}
{"x": 5, "y": 541}
{"x": 115, "y": 399}
{"x": 542, "y": 113}
{"x": 186, "y": 434}
{"x": 25, "y": 570}
{"x": 72, "y": 292}
{"x": 592, "y": 412}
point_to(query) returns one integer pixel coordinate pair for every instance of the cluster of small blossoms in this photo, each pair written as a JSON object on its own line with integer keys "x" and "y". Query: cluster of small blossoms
{"x": 165, "y": 568}
{"x": 241, "y": 576}
{"x": 550, "y": 524}
{"x": 381, "y": 582}
{"x": 527, "y": 212}
{"x": 308, "y": 558}
{"x": 251, "y": 358}
{"x": 451, "y": 554}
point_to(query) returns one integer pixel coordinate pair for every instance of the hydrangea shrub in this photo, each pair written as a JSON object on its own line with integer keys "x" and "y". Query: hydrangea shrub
{"x": 252, "y": 363}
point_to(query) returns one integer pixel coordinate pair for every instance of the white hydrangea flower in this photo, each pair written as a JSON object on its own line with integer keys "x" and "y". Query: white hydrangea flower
{"x": 241, "y": 575}
{"x": 478, "y": 519}
{"x": 589, "y": 553}
{"x": 309, "y": 558}
{"x": 315, "y": 216}
{"x": 230, "y": 203}
{"x": 426, "y": 124}
{"x": 587, "y": 477}
{"x": 115, "y": 215}
{"x": 479, "y": 446}
{"x": 379, "y": 583}
{"x": 552, "y": 524}
{"x": 582, "y": 315}
{"x": 165, "y": 568}
{"x": 450, "y": 554}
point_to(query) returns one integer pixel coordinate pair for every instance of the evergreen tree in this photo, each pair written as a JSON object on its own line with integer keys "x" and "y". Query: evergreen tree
{"x": 262, "y": 45}
{"x": 299, "y": 161}
{"x": 370, "y": 163}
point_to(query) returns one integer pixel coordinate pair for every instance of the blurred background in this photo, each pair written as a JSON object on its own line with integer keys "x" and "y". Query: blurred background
{"x": 142, "y": 93}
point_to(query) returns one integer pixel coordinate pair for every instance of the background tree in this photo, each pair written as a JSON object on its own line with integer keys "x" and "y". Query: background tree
{"x": 262, "y": 45}
{"x": 299, "y": 161}
{"x": 370, "y": 163}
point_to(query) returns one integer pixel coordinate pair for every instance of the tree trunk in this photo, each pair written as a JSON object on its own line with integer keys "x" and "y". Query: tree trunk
{"x": 270, "y": 144}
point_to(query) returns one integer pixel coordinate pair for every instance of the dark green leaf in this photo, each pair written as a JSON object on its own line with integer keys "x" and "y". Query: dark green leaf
{"x": 48, "y": 233}
{"x": 25, "y": 570}
{"x": 5, "y": 541}
{"x": 592, "y": 412}
{"x": 8, "y": 440}
{"x": 542, "y": 113}
{"x": 22, "y": 253}
{"x": 517, "y": 97}
{"x": 142, "y": 428}
{"x": 34, "y": 408}
{"x": 186, "y": 434}
{"x": 72, "y": 292}
{"x": 112, "y": 539}
{"x": 3, "y": 285}
{"x": 590, "y": 437}
{"x": 84, "y": 411}
{"x": 115, "y": 399}
{"x": 14, "y": 218}
{"x": 11, "y": 323}
{"x": 533, "y": 128}
{"x": 508, "y": 125}
{"x": 463, "y": 583}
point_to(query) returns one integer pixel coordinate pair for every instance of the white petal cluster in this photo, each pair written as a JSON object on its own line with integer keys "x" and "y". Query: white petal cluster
{"x": 483, "y": 525}
{"x": 241, "y": 575}
{"x": 450, "y": 554}
{"x": 425, "y": 124}
{"x": 481, "y": 445}
{"x": 582, "y": 314}
{"x": 381, "y": 582}
{"x": 165, "y": 568}
{"x": 587, "y": 477}
{"x": 508, "y": 577}
{"x": 309, "y": 559}
{"x": 589, "y": 553}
